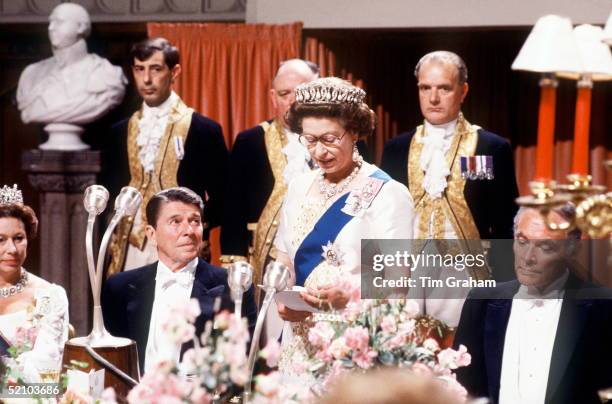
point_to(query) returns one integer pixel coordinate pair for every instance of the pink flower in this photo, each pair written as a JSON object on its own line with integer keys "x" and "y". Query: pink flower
{"x": 321, "y": 334}
{"x": 239, "y": 374}
{"x": 451, "y": 359}
{"x": 388, "y": 324}
{"x": 364, "y": 359}
{"x": 271, "y": 353}
{"x": 200, "y": 396}
{"x": 431, "y": 345}
{"x": 406, "y": 327}
{"x": 338, "y": 348}
{"x": 397, "y": 341}
{"x": 357, "y": 338}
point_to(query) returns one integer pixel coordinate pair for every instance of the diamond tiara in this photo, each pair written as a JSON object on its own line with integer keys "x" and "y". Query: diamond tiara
{"x": 329, "y": 90}
{"x": 11, "y": 195}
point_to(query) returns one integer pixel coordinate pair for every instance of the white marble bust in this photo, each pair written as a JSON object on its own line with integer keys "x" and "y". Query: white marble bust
{"x": 71, "y": 88}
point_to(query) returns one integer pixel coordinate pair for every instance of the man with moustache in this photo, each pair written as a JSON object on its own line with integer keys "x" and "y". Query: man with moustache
{"x": 545, "y": 337}
{"x": 164, "y": 144}
{"x": 136, "y": 303}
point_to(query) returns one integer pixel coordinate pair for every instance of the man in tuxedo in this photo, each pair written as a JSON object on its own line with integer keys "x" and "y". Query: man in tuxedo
{"x": 162, "y": 145}
{"x": 544, "y": 338}
{"x": 135, "y": 303}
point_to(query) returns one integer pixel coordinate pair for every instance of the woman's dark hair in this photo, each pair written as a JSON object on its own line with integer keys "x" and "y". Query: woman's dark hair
{"x": 145, "y": 49}
{"x": 354, "y": 118}
{"x": 25, "y": 214}
{"x": 176, "y": 194}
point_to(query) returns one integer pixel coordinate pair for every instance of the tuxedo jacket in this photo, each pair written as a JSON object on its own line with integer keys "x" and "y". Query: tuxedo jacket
{"x": 582, "y": 352}
{"x": 491, "y": 202}
{"x": 250, "y": 184}
{"x": 202, "y": 169}
{"x": 127, "y": 302}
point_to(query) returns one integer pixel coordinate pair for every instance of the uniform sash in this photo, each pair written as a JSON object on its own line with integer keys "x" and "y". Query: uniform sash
{"x": 326, "y": 229}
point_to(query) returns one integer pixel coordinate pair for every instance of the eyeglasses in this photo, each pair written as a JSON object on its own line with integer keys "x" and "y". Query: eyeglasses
{"x": 326, "y": 139}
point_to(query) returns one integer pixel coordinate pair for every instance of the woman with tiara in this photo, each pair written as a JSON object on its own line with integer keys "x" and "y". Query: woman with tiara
{"x": 327, "y": 212}
{"x": 33, "y": 312}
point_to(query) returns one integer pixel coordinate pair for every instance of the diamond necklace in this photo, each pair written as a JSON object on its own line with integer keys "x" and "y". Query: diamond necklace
{"x": 9, "y": 291}
{"x": 329, "y": 190}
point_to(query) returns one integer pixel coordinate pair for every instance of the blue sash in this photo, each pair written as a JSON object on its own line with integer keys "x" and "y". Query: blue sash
{"x": 308, "y": 255}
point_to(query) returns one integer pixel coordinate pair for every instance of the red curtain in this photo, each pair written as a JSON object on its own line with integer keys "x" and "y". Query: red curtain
{"x": 227, "y": 68}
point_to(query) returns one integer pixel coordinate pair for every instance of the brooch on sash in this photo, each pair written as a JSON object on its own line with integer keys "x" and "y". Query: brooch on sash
{"x": 360, "y": 199}
{"x": 332, "y": 254}
{"x": 477, "y": 167}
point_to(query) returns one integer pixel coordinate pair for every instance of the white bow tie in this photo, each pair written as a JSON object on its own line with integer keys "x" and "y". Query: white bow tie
{"x": 181, "y": 278}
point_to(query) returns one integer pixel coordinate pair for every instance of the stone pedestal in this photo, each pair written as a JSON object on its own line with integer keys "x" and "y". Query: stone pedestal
{"x": 61, "y": 178}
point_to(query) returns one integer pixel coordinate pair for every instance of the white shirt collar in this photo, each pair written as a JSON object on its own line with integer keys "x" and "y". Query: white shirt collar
{"x": 162, "y": 109}
{"x": 185, "y": 274}
{"x": 448, "y": 127}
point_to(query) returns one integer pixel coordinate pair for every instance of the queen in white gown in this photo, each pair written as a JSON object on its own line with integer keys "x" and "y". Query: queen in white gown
{"x": 33, "y": 312}
{"x": 328, "y": 212}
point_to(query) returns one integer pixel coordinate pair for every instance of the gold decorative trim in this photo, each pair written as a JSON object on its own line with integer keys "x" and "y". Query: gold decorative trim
{"x": 267, "y": 225}
{"x": 452, "y": 205}
{"x": 163, "y": 176}
{"x": 227, "y": 260}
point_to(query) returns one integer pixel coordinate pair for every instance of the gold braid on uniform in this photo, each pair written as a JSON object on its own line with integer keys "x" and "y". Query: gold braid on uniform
{"x": 162, "y": 177}
{"x": 432, "y": 213}
{"x": 267, "y": 225}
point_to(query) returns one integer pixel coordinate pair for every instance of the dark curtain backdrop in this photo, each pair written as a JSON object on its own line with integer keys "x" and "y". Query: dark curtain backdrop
{"x": 500, "y": 100}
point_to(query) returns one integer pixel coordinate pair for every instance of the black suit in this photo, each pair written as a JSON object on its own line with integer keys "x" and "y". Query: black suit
{"x": 491, "y": 202}
{"x": 202, "y": 168}
{"x": 127, "y": 302}
{"x": 582, "y": 352}
{"x": 250, "y": 183}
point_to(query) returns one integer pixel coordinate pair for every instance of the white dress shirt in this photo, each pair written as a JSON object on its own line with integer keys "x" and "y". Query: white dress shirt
{"x": 436, "y": 141}
{"x": 171, "y": 288}
{"x": 529, "y": 342}
{"x": 152, "y": 127}
{"x": 297, "y": 157}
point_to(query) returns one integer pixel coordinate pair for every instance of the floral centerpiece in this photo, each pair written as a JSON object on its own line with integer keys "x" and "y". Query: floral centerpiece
{"x": 214, "y": 369}
{"x": 371, "y": 333}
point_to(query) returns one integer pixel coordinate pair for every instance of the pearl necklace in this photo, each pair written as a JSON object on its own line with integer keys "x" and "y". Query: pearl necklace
{"x": 9, "y": 291}
{"x": 330, "y": 190}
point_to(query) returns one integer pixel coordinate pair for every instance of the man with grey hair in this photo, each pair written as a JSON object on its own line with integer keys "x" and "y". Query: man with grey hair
{"x": 262, "y": 162}
{"x": 545, "y": 337}
{"x": 461, "y": 178}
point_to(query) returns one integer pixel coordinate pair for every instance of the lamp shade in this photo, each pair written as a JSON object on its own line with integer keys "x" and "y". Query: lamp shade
{"x": 549, "y": 48}
{"x": 595, "y": 56}
{"x": 607, "y": 32}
